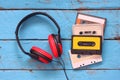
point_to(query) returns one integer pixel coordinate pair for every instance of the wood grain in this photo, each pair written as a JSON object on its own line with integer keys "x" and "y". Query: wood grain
{"x": 65, "y": 19}
{"x": 11, "y": 54}
{"x": 59, "y": 75}
{"x": 58, "y": 4}
{"x": 15, "y": 65}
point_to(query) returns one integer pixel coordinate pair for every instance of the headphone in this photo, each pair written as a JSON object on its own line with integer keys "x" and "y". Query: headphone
{"x": 53, "y": 39}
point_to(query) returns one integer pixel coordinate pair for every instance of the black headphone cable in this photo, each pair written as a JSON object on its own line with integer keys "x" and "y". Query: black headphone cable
{"x": 63, "y": 66}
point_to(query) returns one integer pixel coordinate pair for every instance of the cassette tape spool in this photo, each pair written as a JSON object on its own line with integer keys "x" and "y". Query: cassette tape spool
{"x": 82, "y": 44}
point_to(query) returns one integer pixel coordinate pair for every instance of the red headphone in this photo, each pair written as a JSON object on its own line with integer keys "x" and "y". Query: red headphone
{"x": 54, "y": 42}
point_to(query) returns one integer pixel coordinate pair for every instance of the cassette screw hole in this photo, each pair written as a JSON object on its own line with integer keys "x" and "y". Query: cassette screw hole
{"x": 80, "y": 65}
{"x": 83, "y": 64}
{"x": 78, "y": 56}
{"x": 91, "y": 62}
{"x": 80, "y": 32}
{"x": 94, "y": 32}
{"x": 83, "y": 22}
{"x": 94, "y": 61}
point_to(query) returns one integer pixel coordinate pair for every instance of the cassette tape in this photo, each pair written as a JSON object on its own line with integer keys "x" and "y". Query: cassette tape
{"x": 89, "y": 19}
{"x": 79, "y": 60}
{"x": 87, "y": 29}
{"x": 86, "y": 44}
{"x": 82, "y": 44}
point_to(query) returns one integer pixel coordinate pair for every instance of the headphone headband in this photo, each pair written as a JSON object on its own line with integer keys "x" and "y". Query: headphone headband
{"x": 26, "y": 18}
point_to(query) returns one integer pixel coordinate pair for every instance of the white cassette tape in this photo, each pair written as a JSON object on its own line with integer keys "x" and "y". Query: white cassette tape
{"x": 87, "y": 29}
{"x": 89, "y": 19}
{"x": 79, "y": 60}
{"x": 87, "y": 25}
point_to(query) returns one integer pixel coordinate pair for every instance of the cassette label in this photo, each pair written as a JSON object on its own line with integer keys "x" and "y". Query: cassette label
{"x": 86, "y": 44}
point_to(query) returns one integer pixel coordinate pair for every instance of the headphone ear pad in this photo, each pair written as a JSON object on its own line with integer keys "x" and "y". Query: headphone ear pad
{"x": 43, "y": 56}
{"x": 53, "y": 45}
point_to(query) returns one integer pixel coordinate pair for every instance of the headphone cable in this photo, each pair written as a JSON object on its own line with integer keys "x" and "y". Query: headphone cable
{"x": 63, "y": 66}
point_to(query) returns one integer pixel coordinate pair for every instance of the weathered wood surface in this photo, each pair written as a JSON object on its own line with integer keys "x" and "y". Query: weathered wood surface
{"x": 15, "y": 65}
{"x": 65, "y": 18}
{"x": 11, "y": 54}
{"x": 59, "y": 4}
{"x": 59, "y": 75}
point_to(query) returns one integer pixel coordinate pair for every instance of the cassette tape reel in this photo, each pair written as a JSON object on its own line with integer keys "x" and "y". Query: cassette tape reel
{"x": 82, "y": 44}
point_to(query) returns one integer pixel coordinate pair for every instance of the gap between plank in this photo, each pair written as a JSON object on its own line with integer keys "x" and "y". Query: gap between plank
{"x": 64, "y": 39}
{"x": 59, "y": 9}
{"x": 57, "y": 69}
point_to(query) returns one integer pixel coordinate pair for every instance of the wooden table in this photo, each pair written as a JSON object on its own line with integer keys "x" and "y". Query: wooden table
{"x": 14, "y": 65}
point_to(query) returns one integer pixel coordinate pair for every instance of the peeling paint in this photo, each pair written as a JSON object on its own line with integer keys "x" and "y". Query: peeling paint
{"x": 1, "y": 8}
{"x": 31, "y": 70}
{"x": 26, "y": 4}
{"x": 40, "y": 66}
{"x": 117, "y": 38}
{"x": 32, "y": 60}
{"x": 44, "y": 1}
{"x": 47, "y": 0}
{"x": 80, "y": 1}
{"x": 91, "y": 72}
{"x": 117, "y": 33}
{"x": 4, "y": 40}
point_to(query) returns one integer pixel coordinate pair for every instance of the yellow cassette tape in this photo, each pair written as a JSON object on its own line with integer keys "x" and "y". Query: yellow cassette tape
{"x": 86, "y": 44}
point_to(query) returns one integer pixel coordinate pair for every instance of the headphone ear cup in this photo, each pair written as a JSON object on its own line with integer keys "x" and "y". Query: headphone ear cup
{"x": 42, "y": 55}
{"x": 53, "y": 45}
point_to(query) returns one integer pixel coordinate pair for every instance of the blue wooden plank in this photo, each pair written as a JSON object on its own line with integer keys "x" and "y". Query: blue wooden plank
{"x": 53, "y": 4}
{"x": 59, "y": 75}
{"x": 32, "y": 75}
{"x": 11, "y": 54}
{"x": 9, "y": 20}
{"x": 15, "y": 65}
